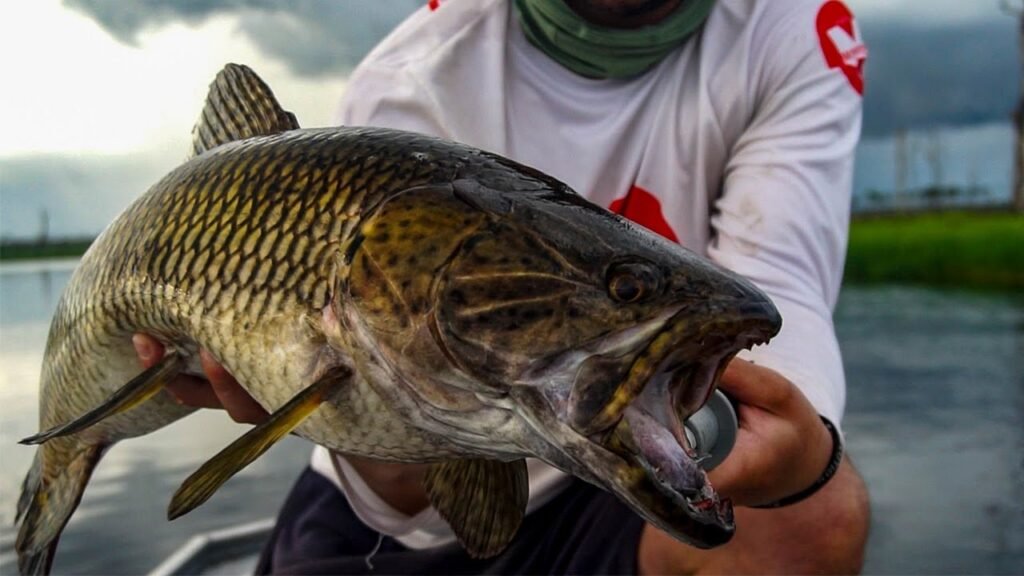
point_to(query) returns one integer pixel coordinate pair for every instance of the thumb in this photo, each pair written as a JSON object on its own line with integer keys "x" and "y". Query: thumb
{"x": 758, "y": 386}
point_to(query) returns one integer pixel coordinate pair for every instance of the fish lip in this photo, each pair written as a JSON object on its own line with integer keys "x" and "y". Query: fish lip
{"x": 705, "y": 362}
{"x": 682, "y": 343}
{"x": 687, "y": 374}
{"x": 703, "y": 505}
{"x": 673, "y": 491}
{"x": 691, "y": 345}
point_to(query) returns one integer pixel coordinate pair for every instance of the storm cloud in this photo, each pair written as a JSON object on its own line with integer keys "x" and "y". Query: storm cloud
{"x": 942, "y": 71}
{"x": 312, "y": 37}
{"x": 951, "y": 74}
{"x": 957, "y": 67}
{"x": 75, "y": 195}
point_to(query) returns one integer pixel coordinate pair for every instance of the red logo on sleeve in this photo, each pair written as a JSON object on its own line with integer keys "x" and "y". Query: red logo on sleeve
{"x": 841, "y": 43}
{"x": 642, "y": 207}
{"x": 434, "y": 5}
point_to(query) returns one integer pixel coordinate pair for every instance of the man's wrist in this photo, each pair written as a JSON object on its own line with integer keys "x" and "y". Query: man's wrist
{"x": 830, "y": 470}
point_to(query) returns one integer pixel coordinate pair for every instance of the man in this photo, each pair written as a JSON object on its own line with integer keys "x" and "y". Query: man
{"x": 727, "y": 126}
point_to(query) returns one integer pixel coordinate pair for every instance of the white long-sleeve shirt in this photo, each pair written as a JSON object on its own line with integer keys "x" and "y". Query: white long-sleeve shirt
{"x": 739, "y": 144}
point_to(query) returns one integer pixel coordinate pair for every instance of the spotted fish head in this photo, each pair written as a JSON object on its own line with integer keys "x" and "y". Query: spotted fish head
{"x": 595, "y": 335}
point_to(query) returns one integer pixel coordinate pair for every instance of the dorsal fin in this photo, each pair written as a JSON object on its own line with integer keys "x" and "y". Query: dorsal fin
{"x": 239, "y": 105}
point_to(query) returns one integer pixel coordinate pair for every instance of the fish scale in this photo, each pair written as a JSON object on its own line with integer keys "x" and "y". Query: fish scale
{"x": 168, "y": 263}
{"x": 209, "y": 258}
{"x": 390, "y": 295}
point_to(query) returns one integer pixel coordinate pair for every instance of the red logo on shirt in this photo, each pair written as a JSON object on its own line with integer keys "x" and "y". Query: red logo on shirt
{"x": 841, "y": 43}
{"x": 434, "y": 5}
{"x": 642, "y": 207}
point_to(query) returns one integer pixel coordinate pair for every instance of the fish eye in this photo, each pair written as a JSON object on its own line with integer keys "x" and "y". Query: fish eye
{"x": 632, "y": 282}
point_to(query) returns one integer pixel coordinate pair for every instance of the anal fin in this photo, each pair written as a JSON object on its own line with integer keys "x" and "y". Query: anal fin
{"x": 198, "y": 487}
{"x": 135, "y": 392}
{"x": 484, "y": 501}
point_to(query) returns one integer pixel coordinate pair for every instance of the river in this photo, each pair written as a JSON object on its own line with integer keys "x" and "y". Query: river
{"x": 935, "y": 423}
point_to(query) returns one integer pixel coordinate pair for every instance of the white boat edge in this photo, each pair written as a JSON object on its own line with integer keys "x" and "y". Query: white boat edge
{"x": 239, "y": 544}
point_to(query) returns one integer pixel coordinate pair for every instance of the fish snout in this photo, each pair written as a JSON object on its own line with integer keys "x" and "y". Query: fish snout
{"x": 758, "y": 310}
{"x": 727, "y": 304}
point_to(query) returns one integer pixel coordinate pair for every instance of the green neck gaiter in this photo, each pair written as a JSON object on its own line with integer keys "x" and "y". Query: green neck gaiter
{"x": 602, "y": 52}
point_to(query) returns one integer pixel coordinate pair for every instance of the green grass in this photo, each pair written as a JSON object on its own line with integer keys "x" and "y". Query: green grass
{"x": 957, "y": 249}
{"x": 33, "y": 250}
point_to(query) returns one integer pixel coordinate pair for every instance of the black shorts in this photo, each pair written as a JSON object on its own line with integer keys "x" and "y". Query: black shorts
{"x": 583, "y": 530}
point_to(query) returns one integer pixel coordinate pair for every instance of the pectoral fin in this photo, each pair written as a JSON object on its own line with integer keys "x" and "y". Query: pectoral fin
{"x": 135, "y": 392}
{"x": 198, "y": 487}
{"x": 484, "y": 501}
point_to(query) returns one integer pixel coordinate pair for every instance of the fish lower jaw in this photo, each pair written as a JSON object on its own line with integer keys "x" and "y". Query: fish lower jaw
{"x": 673, "y": 469}
{"x": 650, "y": 434}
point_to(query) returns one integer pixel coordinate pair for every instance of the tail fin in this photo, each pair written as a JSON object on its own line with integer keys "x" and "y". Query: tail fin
{"x": 50, "y": 493}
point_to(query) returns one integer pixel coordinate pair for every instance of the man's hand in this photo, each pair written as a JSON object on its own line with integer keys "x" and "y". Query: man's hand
{"x": 219, "y": 390}
{"x": 781, "y": 448}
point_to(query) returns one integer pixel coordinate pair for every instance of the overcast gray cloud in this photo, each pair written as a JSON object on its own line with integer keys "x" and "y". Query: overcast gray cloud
{"x": 949, "y": 74}
{"x": 80, "y": 194}
{"x": 943, "y": 70}
{"x": 313, "y": 37}
{"x": 926, "y": 12}
{"x": 945, "y": 63}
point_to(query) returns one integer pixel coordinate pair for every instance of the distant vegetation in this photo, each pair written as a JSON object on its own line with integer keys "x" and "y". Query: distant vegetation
{"x": 927, "y": 198}
{"x": 28, "y": 250}
{"x": 957, "y": 249}
{"x": 976, "y": 249}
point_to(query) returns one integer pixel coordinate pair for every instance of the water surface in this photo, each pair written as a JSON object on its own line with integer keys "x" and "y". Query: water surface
{"x": 120, "y": 526}
{"x": 935, "y": 423}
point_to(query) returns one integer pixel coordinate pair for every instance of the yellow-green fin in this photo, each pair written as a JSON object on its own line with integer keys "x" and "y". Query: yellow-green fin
{"x": 484, "y": 501}
{"x": 239, "y": 105}
{"x": 198, "y": 487}
{"x": 47, "y": 503}
{"x": 135, "y": 392}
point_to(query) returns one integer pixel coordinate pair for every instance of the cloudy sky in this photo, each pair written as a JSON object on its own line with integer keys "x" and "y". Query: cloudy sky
{"x": 99, "y": 95}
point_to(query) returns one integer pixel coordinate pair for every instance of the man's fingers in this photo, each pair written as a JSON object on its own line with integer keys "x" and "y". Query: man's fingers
{"x": 758, "y": 386}
{"x": 187, "y": 390}
{"x": 221, "y": 391}
{"x": 148, "y": 349}
{"x": 215, "y": 373}
{"x": 194, "y": 391}
{"x": 239, "y": 404}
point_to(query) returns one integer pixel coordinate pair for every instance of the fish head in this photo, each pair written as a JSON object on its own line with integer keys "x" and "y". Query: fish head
{"x": 601, "y": 336}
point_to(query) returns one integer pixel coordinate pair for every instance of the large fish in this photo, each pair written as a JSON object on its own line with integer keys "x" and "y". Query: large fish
{"x": 396, "y": 296}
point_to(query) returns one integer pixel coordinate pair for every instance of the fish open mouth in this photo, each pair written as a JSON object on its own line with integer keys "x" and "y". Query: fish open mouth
{"x": 676, "y": 374}
{"x": 627, "y": 395}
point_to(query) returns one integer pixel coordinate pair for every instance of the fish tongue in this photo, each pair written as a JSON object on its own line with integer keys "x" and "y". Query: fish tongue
{"x": 659, "y": 402}
{"x": 692, "y": 387}
{"x": 663, "y": 456}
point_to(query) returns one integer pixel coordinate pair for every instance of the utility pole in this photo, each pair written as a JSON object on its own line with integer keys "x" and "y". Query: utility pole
{"x": 44, "y": 227}
{"x": 933, "y": 154}
{"x": 1016, "y": 10}
{"x": 901, "y": 161}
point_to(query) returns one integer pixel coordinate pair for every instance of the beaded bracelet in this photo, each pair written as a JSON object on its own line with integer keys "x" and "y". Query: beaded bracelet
{"x": 830, "y": 471}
